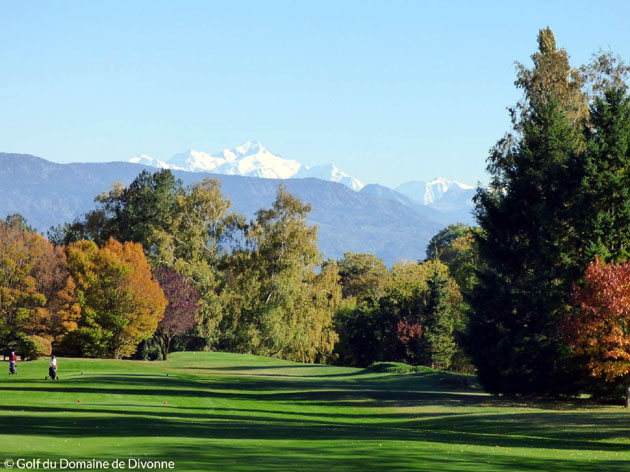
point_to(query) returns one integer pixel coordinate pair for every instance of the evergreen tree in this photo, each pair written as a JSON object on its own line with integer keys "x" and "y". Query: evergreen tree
{"x": 525, "y": 247}
{"x": 604, "y": 197}
{"x": 134, "y": 213}
{"x": 552, "y": 74}
{"x": 437, "y": 330}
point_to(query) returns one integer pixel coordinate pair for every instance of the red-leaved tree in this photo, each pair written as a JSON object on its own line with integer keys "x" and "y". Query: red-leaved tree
{"x": 183, "y": 305}
{"x": 408, "y": 337}
{"x": 599, "y": 329}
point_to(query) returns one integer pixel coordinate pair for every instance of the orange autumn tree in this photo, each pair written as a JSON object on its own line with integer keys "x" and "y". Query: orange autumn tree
{"x": 121, "y": 303}
{"x": 599, "y": 328}
{"x": 61, "y": 313}
{"x": 36, "y": 291}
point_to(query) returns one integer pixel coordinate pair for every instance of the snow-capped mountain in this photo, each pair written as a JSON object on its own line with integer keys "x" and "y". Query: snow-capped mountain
{"x": 194, "y": 161}
{"x": 250, "y": 159}
{"x": 329, "y": 172}
{"x": 148, "y": 161}
{"x": 434, "y": 191}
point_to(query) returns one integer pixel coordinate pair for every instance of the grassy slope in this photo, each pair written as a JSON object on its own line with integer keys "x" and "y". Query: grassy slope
{"x": 233, "y": 412}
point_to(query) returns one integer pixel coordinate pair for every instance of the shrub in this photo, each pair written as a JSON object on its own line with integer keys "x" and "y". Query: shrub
{"x": 33, "y": 347}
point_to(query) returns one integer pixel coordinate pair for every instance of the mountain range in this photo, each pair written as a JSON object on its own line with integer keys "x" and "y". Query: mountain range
{"x": 252, "y": 159}
{"x": 376, "y": 219}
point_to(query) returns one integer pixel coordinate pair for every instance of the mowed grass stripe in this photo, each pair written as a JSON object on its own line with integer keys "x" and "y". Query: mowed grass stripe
{"x": 238, "y": 412}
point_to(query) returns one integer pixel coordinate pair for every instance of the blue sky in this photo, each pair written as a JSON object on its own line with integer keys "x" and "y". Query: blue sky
{"x": 390, "y": 91}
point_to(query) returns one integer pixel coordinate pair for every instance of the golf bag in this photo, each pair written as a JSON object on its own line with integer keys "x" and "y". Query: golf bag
{"x": 12, "y": 368}
{"x": 52, "y": 372}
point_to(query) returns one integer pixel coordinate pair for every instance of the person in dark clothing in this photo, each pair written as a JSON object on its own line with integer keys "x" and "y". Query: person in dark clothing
{"x": 52, "y": 369}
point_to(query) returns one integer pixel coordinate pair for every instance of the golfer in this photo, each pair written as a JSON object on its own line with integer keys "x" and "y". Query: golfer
{"x": 52, "y": 369}
{"x": 12, "y": 363}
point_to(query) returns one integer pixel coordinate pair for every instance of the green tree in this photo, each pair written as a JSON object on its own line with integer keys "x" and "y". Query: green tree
{"x": 185, "y": 229}
{"x": 406, "y": 324}
{"x": 18, "y": 221}
{"x": 552, "y": 75}
{"x": 603, "y": 205}
{"x": 137, "y": 212}
{"x": 362, "y": 276}
{"x": 276, "y": 303}
{"x": 438, "y": 342}
{"x": 455, "y": 247}
{"x": 134, "y": 213}
{"x": 361, "y": 330}
{"x": 200, "y": 233}
{"x": 525, "y": 246}
{"x": 440, "y": 244}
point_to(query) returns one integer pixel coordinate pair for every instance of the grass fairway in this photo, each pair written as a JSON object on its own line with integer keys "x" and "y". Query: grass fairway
{"x": 234, "y": 412}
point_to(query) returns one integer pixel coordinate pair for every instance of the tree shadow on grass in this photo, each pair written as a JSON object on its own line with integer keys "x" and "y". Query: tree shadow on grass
{"x": 416, "y": 382}
{"x": 579, "y": 431}
{"x": 368, "y": 456}
{"x": 389, "y": 391}
{"x": 235, "y": 456}
{"x": 364, "y": 398}
{"x": 185, "y": 413}
{"x": 589, "y": 430}
{"x": 263, "y": 367}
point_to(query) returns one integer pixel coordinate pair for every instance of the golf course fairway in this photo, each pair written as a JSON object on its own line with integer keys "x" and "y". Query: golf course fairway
{"x": 224, "y": 412}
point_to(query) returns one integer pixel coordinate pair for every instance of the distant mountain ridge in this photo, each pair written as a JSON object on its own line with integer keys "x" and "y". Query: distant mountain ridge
{"x": 250, "y": 159}
{"x": 378, "y": 221}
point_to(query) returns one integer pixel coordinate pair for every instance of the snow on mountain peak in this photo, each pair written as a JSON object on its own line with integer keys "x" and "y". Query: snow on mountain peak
{"x": 142, "y": 159}
{"x": 445, "y": 183}
{"x": 250, "y": 159}
{"x": 149, "y": 161}
{"x": 329, "y": 172}
{"x": 254, "y": 160}
{"x": 195, "y": 161}
{"x": 250, "y": 147}
{"x": 427, "y": 193}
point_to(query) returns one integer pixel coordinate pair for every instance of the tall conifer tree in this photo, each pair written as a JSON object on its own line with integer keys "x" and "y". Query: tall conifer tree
{"x": 437, "y": 336}
{"x": 603, "y": 205}
{"x": 526, "y": 218}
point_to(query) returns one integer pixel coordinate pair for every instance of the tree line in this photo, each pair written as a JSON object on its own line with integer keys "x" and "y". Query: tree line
{"x": 534, "y": 299}
{"x": 157, "y": 265}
